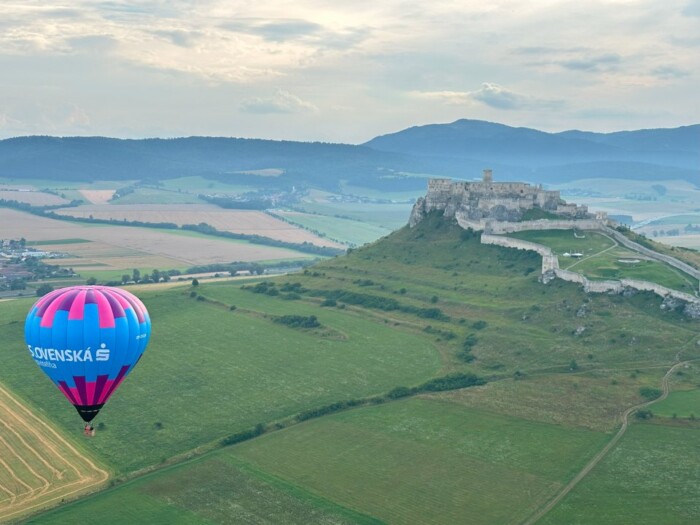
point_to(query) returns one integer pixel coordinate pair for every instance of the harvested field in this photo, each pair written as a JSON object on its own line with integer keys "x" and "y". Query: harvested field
{"x": 35, "y": 198}
{"x": 126, "y": 247}
{"x": 38, "y": 467}
{"x": 97, "y": 196}
{"x": 249, "y": 222}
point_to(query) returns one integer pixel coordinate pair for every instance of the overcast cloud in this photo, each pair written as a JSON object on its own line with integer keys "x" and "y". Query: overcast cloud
{"x": 344, "y": 72}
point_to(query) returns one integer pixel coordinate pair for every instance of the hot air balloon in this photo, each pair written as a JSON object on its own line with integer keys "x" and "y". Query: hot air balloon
{"x": 87, "y": 339}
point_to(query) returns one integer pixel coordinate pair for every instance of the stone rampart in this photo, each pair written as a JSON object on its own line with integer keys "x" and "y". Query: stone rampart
{"x": 671, "y": 261}
{"x": 550, "y": 265}
{"x": 542, "y": 224}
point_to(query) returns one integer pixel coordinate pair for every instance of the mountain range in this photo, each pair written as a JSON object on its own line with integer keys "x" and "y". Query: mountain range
{"x": 396, "y": 161}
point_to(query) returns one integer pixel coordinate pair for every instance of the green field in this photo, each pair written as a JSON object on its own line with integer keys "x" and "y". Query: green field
{"x": 561, "y": 241}
{"x": 651, "y": 477}
{"x": 389, "y": 216}
{"x": 415, "y": 461}
{"x": 210, "y": 372}
{"x": 344, "y": 230}
{"x": 682, "y": 404}
{"x": 561, "y": 366}
{"x": 197, "y": 185}
{"x": 143, "y": 195}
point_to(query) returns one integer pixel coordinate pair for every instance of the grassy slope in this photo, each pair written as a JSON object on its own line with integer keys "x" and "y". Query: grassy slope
{"x": 210, "y": 372}
{"x": 627, "y": 343}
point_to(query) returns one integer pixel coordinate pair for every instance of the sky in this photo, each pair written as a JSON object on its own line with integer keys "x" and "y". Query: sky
{"x": 327, "y": 71}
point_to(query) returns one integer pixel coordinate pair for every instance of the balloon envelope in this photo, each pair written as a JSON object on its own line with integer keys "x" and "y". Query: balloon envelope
{"x": 87, "y": 339}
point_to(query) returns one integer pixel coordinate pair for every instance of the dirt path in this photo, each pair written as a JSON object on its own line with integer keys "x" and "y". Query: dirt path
{"x": 40, "y": 467}
{"x": 600, "y": 455}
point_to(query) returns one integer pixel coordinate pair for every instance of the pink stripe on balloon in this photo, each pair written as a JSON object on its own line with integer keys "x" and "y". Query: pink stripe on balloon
{"x": 90, "y": 393}
{"x": 77, "y": 309}
{"x": 104, "y": 311}
{"x": 47, "y": 318}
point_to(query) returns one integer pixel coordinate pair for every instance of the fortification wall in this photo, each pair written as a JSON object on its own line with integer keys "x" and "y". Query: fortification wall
{"x": 671, "y": 261}
{"x": 550, "y": 264}
{"x": 543, "y": 224}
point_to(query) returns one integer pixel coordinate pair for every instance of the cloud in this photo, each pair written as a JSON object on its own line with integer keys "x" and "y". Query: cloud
{"x": 494, "y": 96}
{"x": 604, "y": 62}
{"x": 179, "y": 37}
{"x": 692, "y": 8}
{"x": 281, "y": 102}
{"x": 274, "y": 31}
{"x": 669, "y": 72}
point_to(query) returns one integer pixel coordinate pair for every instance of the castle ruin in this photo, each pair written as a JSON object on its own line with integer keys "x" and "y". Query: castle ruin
{"x": 480, "y": 202}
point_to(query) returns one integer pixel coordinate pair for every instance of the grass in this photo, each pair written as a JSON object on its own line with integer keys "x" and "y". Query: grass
{"x": 683, "y": 404}
{"x": 217, "y": 489}
{"x": 389, "y": 216}
{"x": 561, "y": 241}
{"x": 156, "y": 196}
{"x": 210, "y": 372}
{"x": 652, "y": 476}
{"x": 421, "y": 461}
{"x": 344, "y": 230}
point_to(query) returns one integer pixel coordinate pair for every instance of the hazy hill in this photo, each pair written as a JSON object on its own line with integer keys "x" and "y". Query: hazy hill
{"x": 540, "y": 156}
{"x": 101, "y": 158}
{"x": 460, "y": 149}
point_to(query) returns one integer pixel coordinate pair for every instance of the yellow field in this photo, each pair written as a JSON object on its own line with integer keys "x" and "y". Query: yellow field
{"x": 97, "y": 196}
{"x": 124, "y": 247}
{"x": 35, "y": 198}
{"x": 249, "y": 222}
{"x": 38, "y": 467}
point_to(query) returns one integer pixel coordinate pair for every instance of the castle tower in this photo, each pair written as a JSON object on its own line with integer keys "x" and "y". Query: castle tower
{"x": 488, "y": 176}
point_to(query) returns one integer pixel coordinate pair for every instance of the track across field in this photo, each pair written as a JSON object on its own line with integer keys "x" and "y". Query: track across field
{"x": 38, "y": 467}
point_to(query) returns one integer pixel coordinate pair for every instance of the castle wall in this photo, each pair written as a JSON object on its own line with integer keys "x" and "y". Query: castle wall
{"x": 671, "y": 261}
{"x": 550, "y": 264}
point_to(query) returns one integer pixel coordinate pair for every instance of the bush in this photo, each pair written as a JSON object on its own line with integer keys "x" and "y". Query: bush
{"x": 644, "y": 414}
{"x": 650, "y": 393}
{"x": 298, "y": 321}
{"x": 329, "y": 302}
{"x": 401, "y": 391}
{"x": 451, "y": 382}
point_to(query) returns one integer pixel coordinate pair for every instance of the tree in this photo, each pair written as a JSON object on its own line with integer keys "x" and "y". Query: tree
{"x": 44, "y": 289}
{"x": 91, "y": 281}
{"x": 155, "y": 276}
{"x": 195, "y": 282}
{"x": 136, "y": 275}
{"x": 125, "y": 278}
{"x": 573, "y": 365}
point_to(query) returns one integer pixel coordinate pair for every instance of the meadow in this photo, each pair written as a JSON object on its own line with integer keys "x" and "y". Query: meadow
{"x": 346, "y": 230}
{"x": 652, "y": 476}
{"x": 561, "y": 367}
{"x": 211, "y": 372}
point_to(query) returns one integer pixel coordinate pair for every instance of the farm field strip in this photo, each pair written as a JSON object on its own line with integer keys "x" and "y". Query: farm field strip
{"x": 183, "y": 250}
{"x": 247, "y": 222}
{"x": 38, "y": 467}
{"x": 35, "y": 198}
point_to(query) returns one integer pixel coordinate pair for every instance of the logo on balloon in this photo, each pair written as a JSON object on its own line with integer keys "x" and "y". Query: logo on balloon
{"x": 47, "y": 357}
